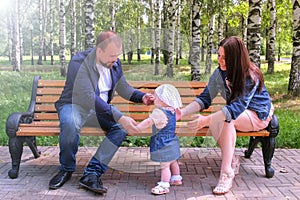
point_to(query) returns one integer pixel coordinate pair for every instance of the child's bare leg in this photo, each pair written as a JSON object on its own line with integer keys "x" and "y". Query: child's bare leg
{"x": 165, "y": 171}
{"x": 175, "y": 170}
{"x": 164, "y": 185}
{"x": 176, "y": 179}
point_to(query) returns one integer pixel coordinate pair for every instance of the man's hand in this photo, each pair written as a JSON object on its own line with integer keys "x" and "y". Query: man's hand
{"x": 129, "y": 124}
{"x": 148, "y": 99}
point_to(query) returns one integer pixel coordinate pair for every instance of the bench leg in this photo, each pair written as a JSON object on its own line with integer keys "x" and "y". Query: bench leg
{"x": 268, "y": 145}
{"x": 268, "y": 148}
{"x": 15, "y": 150}
{"x": 31, "y": 142}
{"x": 252, "y": 144}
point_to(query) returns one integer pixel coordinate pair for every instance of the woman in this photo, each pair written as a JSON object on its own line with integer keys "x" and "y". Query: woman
{"x": 248, "y": 105}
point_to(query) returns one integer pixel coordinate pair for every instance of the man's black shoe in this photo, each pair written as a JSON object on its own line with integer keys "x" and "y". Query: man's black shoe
{"x": 59, "y": 179}
{"x": 92, "y": 182}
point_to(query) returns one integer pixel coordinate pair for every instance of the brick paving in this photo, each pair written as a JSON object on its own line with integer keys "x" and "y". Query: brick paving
{"x": 132, "y": 175}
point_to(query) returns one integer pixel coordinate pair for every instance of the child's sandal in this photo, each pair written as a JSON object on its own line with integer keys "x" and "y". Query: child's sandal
{"x": 224, "y": 184}
{"x": 160, "y": 190}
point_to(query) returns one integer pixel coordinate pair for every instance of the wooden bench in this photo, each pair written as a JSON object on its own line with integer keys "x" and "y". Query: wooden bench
{"x": 41, "y": 119}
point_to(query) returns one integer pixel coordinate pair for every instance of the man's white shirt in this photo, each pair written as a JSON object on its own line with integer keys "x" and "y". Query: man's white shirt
{"x": 105, "y": 82}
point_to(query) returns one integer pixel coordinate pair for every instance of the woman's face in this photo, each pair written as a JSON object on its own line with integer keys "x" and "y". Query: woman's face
{"x": 221, "y": 58}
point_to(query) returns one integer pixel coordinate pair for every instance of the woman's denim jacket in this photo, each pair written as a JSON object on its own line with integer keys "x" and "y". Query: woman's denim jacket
{"x": 259, "y": 102}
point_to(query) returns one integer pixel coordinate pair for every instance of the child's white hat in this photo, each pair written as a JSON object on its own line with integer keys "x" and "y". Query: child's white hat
{"x": 169, "y": 95}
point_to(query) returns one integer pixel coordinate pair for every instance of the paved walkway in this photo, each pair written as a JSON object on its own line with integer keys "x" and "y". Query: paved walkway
{"x": 131, "y": 176}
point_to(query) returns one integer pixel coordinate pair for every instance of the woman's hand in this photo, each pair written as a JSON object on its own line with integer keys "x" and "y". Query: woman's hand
{"x": 199, "y": 122}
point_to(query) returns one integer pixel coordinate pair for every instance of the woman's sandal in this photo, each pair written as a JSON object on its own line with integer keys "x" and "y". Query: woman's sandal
{"x": 235, "y": 165}
{"x": 160, "y": 190}
{"x": 224, "y": 184}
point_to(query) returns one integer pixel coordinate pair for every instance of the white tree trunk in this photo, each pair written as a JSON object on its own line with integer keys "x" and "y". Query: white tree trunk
{"x": 15, "y": 37}
{"x": 90, "y": 23}
{"x": 210, "y": 44}
{"x": 157, "y": 36}
{"x": 152, "y": 22}
{"x": 253, "y": 30}
{"x": 44, "y": 29}
{"x": 80, "y": 26}
{"x": 221, "y": 19}
{"x": 294, "y": 82}
{"x": 41, "y": 41}
{"x": 139, "y": 31}
{"x": 178, "y": 44}
{"x": 62, "y": 36}
{"x": 112, "y": 16}
{"x": 51, "y": 5}
{"x": 20, "y": 31}
{"x": 73, "y": 28}
{"x": 171, "y": 35}
{"x": 195, "y": 47}
{"x": 272, "y": 37}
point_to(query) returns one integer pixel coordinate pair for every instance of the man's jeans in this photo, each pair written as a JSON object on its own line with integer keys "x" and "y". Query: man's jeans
{"x": 72, "y": 118}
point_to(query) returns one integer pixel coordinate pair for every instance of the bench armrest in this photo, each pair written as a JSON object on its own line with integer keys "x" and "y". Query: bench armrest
{"x": 14, "y": 119}
{"x": 273, "y": 126}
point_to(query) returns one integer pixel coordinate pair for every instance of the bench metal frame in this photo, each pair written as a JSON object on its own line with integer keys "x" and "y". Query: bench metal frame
{"x": 23, "y": 127}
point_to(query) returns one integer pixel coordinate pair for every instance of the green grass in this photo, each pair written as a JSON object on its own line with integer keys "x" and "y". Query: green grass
{"x": 16, "y": 91}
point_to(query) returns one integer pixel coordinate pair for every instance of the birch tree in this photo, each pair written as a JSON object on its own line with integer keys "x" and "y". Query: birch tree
{"x": 130, "y": 46}
{"x": 171, "y": 35}
{"x": 73, "y": 28}
{"x": 152, "y": 22}
{"x": 112, "y": 16}
{"x": 45, "y": 28}
{"x": 90, "y": 23}
{"x": 294, "y": 82}
{"x": 272, "y": 37}
{"x": 20, "y": 31}
{"x": 139, "y": 30}
{"x": 62, "y": 37}
{"x": 195, "y": 43}
{"x": 157, "y": 36}
{"x": 15, "y": 37}
{"x": 220, "y": 20}
{"x": 41, "y": 41}
{"x": 51, "y": 13}
{"x": 178, "y": 37}
{"x": 80, "y": 25}
{"x": 253, "y": 31}
{"x": 211, "y": 29}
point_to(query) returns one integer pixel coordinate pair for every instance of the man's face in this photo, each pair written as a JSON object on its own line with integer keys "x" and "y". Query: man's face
{"x": 108, "y": 56}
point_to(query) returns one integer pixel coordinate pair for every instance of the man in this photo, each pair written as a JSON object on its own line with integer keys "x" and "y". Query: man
{"x": 93, "y": 77}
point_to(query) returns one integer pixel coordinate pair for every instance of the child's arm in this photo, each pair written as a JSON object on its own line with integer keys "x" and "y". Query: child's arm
{"x": 157, "y": 117}
{"x": 145, "y": 124}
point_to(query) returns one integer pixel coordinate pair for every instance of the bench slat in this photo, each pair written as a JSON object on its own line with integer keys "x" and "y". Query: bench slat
{"x": 93, "y": 131}
{"x": 49, "y": 91}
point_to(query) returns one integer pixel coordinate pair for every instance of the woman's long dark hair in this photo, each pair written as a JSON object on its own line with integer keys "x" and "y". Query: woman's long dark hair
{"x": 239, "y": 67}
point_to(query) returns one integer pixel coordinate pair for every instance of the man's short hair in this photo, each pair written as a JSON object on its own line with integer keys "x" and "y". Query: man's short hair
{"x": 107, "y": 37}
